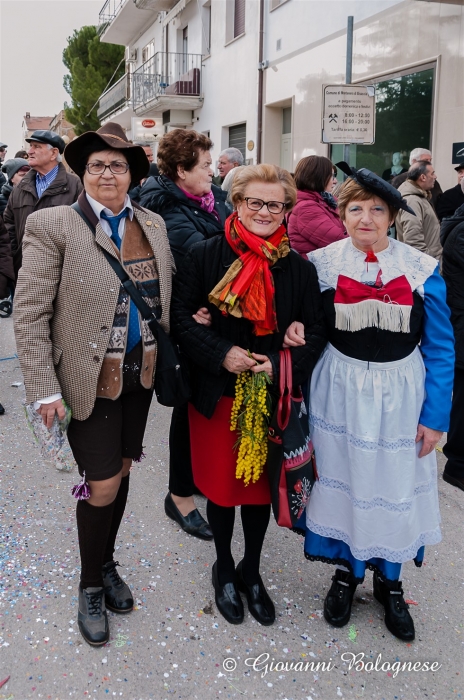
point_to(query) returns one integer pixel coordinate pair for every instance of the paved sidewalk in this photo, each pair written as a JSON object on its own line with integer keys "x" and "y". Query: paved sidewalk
{"x": 175, "y": 644}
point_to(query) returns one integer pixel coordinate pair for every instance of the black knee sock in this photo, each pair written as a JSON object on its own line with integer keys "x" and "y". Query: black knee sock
{"x": 255, "y": 520}
{"x": 221, "y": 520}
{"x": 93, "y": 528}
{"x": 118, "y": 512}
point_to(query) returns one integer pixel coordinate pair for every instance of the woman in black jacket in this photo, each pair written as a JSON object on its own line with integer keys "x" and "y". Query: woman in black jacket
{"x": 193, "y": 210}
{"x": 254, "y": 287}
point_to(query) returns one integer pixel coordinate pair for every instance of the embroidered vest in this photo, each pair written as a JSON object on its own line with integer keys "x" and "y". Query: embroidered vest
{"x": 138, "y": 260}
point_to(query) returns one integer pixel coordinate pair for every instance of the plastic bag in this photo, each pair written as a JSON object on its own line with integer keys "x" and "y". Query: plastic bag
{"x": 52, "y": 443}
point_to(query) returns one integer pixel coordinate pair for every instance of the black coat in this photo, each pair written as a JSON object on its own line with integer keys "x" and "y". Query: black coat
{"x": 297, "y": 298}
{"x": 5, "y": 192}
{"x": 186, "y": 222}
{"x": 6, "y": 262}
{"x": 452, "y": 239}
{"x": 449, "y": 201}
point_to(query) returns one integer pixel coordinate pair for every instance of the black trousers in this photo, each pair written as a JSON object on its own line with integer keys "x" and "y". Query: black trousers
{"x": 454, "y": 448}
{"x": 180, "y": 462}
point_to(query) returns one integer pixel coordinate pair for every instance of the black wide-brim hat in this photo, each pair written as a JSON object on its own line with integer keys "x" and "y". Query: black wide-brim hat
{"x": 110, "y": 136}
{"x": 380, "y": 188}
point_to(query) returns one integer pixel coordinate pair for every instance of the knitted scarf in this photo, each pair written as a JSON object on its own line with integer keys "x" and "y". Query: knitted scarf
{"x": 247, "y": 288}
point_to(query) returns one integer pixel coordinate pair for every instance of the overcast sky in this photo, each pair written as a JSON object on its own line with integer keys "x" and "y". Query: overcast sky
{"x": 33, "y": 35}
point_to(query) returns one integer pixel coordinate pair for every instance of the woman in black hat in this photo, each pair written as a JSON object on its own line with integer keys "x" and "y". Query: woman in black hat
{"x": 380, "y": 400}
{"x": 80, "y": 338}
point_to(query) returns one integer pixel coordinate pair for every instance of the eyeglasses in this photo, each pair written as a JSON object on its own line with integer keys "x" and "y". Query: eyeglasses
{"x": 117, "y": 167}
{"x": 257, "y": 204}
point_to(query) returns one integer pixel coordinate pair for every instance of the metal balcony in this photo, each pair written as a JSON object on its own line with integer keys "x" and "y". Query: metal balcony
{"x": 122, "y": 21}
{"x": 168, "y": 81}
{"x": 115, "y": 98}
{"x": 108, "y": 12}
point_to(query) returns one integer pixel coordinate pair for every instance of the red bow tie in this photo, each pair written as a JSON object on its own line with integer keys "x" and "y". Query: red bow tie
{"x": 350, "y": 291}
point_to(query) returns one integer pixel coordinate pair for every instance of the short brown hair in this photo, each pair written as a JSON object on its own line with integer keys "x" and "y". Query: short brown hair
{"x": 313, "y": 173}
{"x": 181, "y": 147}
{"x": 263, "y": 173}
{"x": 352, "y": 190}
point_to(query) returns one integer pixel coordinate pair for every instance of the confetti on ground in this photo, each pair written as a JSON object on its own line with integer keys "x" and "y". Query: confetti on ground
{"x": 4, "y": 681}
{"x": 352, "y": 634}
{"x": 411, "y": 602}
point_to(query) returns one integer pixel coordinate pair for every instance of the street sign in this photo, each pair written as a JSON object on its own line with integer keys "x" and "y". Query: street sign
{"x": 348, "y": 114}
{"x": 458, "y": 153}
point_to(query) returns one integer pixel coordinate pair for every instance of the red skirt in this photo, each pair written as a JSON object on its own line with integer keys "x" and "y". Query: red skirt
{"x": 214, "y": 460}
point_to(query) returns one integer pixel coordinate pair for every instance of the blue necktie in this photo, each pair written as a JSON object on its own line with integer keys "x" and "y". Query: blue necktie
{"x": 133, "y": 331}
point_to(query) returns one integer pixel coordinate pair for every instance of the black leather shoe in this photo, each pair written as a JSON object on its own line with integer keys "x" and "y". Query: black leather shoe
{"x": 454, "y": 480}
{"x": 193, "y": 523}
{"x": 118, "y": 596}
{"x": 227, "y": 599}
{"x": 397, "y": 618}
{"x": 260, "y": 604}
{"x": 338, "y": 601}
{"x": 92, "y": 617}
{"x": 2, "y": 410}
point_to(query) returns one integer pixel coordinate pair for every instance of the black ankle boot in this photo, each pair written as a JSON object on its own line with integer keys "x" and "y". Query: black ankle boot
{"x": 397, "y": 618}
{"x": 337, "y": 604}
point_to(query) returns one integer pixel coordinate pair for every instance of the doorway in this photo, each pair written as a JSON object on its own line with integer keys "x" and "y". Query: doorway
{"x": 286, "y": 157}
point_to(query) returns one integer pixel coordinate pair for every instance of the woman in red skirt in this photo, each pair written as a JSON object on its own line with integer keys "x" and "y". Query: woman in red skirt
{"x": 254, "y": 287}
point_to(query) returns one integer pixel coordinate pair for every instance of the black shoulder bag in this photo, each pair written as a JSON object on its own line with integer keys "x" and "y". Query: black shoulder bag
{"x": 171, "y": 382}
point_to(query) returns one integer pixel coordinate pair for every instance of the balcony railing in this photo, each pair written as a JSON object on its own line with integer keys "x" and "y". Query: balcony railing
{"x": 115, "y": 97}
{"x": 108, "y": 12}
{"x": 166, "y": 74}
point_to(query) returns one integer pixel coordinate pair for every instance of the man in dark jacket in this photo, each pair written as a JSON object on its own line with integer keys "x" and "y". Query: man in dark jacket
{"x": 15, "y": 169}
{"x": 48, "y": 184}
{"x": 451, "y": 199}
{"x": 452, "y": 239}
{"x": 3, "y": 147}
{"x": 6, "y": 266}
{"x": 186, "y": 222}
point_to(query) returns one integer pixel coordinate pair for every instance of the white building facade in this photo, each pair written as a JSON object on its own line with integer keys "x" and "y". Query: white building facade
{"x": 249, "y": 73}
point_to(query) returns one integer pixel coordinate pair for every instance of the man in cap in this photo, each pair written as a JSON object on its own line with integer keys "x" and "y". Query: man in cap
{"x": 3, "y": 148}
{"x": 453, "y": 198}
{"x": 47, "y": 184}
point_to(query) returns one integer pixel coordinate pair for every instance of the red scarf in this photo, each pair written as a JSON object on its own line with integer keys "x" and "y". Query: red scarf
{"x": 247, "y": 288}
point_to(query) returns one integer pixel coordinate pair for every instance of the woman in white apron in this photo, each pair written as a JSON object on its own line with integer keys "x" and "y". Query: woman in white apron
{"x": 380, "y": 399}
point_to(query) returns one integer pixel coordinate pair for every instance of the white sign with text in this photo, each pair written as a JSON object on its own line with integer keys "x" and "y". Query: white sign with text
{"x": 348, "y": 114}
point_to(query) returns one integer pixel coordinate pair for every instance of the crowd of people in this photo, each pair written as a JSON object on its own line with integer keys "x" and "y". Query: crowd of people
{"x": 357, "y": 278}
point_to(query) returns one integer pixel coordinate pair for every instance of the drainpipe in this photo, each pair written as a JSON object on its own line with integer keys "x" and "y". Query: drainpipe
{"x": 261, "y": 68}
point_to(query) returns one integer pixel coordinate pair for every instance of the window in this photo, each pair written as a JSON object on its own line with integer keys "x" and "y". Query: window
{"x": 185, "y": 50}
{"x": 239, "y": 17}
{"x": 206, "y": 29}
{"x": 237, "y": 138}
{"x": 404, "y": 109}
{"x": 148, "y": 51}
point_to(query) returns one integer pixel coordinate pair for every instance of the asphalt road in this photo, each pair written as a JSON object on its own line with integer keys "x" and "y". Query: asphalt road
{"x": 175, "y": 644}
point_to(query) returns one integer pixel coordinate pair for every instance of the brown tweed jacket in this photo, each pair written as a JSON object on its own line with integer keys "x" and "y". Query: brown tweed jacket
{"x": 65, "y": 302}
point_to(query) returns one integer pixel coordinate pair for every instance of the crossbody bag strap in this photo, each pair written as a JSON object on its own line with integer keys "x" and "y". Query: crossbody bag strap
{"x": 145, "y": 311}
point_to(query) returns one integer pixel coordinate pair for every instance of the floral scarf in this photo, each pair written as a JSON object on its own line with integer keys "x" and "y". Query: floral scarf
{"x": 247, "y": 288}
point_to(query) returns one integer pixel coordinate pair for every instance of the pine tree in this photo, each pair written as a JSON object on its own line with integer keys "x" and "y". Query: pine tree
{"x": 91, "y": 65}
